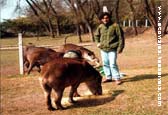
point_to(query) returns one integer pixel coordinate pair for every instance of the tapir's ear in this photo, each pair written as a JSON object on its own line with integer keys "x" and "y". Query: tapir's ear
{"x": 79, "y": 52}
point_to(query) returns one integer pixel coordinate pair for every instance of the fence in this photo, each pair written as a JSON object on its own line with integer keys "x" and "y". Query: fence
{"x": 138, "y": 23}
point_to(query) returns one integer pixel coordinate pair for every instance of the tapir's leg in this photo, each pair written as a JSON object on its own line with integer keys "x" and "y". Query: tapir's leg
{"x": 38, "y": 66}
{"x": 47, "y": 94}
{"x": 72, "y": 92}
{"x": 31, "y": 65}
{"x": 59, "y": 93}
{"x": 76, "y": 94}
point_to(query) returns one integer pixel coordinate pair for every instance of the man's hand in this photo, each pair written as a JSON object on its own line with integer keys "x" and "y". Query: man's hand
{"x": 98, "y": 45}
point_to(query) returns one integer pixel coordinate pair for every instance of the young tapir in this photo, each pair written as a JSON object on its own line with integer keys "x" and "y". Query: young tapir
{"x": 63, "y": 72}
{"x": 85, "y": 53}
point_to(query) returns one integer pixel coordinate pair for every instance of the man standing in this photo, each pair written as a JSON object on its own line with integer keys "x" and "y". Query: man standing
{"x": 110, "y": 40}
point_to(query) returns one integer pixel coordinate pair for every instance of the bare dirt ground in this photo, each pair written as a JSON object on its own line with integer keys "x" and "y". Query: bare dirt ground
{"x": 22, "y": 95}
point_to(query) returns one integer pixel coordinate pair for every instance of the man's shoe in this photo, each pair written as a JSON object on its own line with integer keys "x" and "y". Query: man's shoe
{"x": 118, "y": 82}
{"x": 107, "y": 80}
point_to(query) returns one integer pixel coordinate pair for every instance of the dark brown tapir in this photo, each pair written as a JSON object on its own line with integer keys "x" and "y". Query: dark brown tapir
{"x": 63, "y": 72}
{"x": 37, "y": 56}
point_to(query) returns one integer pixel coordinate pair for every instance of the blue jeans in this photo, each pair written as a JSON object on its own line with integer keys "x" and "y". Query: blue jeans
{"x": 110, "y": 66}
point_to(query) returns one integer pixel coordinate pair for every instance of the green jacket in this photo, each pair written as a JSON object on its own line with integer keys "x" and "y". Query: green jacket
{"x": 110, "y": 37}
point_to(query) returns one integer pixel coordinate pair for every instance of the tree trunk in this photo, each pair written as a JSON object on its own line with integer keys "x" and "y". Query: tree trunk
{"x": 164, "y": 25}
{"x": 134, "y": 25}
{"x": 96, "y": 7}
{"x": 48, "y": 16}
{"x": 77, "y": 23}
{"x": 90, "y": 30}
{"x": 51, "y": 28}
{"x": 58, "y": 28}
{"x": 151, "y": 15}
{"x": 86, "y": 21}
{"x": 134, "y": 19}
{"x": 79, "y": 32}
{"x": 116, "y": 11}
{"x": 57, "y": 19}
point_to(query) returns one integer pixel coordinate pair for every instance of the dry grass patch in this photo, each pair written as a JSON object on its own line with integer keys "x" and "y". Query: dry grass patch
{"x": 22, "y": 95}
{"x": 136, "y": 96}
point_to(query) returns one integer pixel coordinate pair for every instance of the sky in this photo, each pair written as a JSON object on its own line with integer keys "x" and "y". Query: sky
{"x": 7, "y": 12}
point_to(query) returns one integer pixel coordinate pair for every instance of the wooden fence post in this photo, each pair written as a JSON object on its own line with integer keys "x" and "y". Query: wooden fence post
{"x": 20, "y": 48}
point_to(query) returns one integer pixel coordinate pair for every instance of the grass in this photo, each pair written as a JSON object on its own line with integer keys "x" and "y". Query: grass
{"x": 136, "y": 96}
{"x": 6, "y": 55}
{"x": 42, "y": 40}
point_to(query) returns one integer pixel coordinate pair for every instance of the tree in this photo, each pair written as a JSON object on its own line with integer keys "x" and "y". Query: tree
{"x": 45, "y": 12}
{"x": 56, "y": 17}
{"x": 85, "y": 16}
{"x": 164, "y": 25}
{"x": 24, "y": 25}
{"x": 164, "y": 5}
{"x": 95, "y": 4}
{"x": 151, "y": 12}
{"x": 134, "y": 15}
{"x": 116, "y": 11}
{"x": 84, "y": 12}
{"x": 74, "y": 9}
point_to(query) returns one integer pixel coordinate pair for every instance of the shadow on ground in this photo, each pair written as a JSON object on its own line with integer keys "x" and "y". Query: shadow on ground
{"x": 97, "y": 100}
{"x": 143, "y": 77}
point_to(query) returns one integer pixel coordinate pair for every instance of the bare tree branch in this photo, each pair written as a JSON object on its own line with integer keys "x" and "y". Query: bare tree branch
{"x": 150, "y": 15}
{"x": 134, "y": 15}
